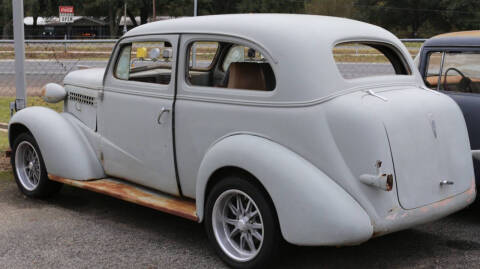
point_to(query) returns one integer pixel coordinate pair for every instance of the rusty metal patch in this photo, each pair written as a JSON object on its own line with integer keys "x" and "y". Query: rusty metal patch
{"x": 184, "y": 208}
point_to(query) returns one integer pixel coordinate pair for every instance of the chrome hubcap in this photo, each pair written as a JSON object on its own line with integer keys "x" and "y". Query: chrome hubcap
{"x": 27, "y": 165}
{"x": 238, "y": 225}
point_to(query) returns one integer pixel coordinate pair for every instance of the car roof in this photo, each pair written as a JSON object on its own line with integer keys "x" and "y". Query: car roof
{"x": 455, "y": 39}
{"x": 259, "y": 27}
{"x": 299, "y": 47}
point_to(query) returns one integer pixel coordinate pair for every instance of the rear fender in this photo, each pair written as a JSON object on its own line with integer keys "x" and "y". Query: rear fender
{"x": 312, "y": 209}
{"x": 65, "y": 149}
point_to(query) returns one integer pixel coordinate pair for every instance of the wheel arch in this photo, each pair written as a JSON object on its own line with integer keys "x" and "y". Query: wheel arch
{"x": 225, "y": 171}
{"x": 14, "y": 130}
{"x": 64, "y": 148}
{"x": 298, "y": 191}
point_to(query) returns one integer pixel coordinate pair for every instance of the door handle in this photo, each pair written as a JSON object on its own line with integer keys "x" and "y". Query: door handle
{"x": 164, "y": 110}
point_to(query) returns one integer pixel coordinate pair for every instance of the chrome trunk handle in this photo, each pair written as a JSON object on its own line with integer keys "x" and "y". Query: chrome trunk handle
{"x": 164, "y": 110}
{"x": 446, "y": 182}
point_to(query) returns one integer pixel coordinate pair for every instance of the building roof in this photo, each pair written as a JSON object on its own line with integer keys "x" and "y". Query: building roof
{"x": 455, "y": 39}
{"x": 43, "y": 21}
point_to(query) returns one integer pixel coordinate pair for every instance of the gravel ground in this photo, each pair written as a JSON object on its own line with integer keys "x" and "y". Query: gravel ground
{"x": 81, "y": 229}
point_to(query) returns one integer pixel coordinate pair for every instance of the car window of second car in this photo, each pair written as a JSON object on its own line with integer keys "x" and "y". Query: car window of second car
{"x": 149, "y": 62}
{"x": 460, "y": 71}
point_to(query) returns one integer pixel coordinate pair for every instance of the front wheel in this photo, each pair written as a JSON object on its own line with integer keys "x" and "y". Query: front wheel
{"x": 29, "y": 169}
{"x": 241, "y": 223}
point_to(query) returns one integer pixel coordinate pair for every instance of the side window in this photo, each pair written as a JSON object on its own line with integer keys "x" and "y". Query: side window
{"x": 460, "y": 72}
{"x": 239, "y": 67}
{"x": 202, "y": 55}
{"x": 149, "y": 62}
{"x": 434, "y": 60}
{"x": 359, "y": 60}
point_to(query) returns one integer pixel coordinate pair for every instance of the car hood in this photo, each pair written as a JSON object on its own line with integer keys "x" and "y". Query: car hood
{"x": 88, "y": 78}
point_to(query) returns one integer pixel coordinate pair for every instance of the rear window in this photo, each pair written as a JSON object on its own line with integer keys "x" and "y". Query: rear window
{"x": 359, "y": 60}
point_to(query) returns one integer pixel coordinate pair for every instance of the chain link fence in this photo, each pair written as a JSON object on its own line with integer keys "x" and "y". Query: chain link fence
{"x": 50, "y": 60}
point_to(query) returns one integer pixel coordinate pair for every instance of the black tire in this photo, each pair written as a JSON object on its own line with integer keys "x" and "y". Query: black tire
{"x": 272, "y": 237}
{"x": 45, "y": 187}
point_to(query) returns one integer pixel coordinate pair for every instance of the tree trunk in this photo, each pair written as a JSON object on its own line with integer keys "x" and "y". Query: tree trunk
{"x": 143, "y": 15}
{"x": 6, "y": 30}
{"x": 111, "y": 23}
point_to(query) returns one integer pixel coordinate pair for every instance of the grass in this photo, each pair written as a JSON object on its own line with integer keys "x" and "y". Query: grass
{"x": 6, "y": 175}
{"x": 3, "y": 142}
{"x": 5, "y": 114}
{"x": 31, "y": 101}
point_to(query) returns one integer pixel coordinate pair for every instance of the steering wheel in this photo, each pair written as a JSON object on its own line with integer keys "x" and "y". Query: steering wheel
{"x": 464, "y": 85}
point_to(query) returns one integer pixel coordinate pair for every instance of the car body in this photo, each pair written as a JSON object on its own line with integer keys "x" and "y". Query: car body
{"x": 327, "y": 160}
{"x": 459, "y": 50}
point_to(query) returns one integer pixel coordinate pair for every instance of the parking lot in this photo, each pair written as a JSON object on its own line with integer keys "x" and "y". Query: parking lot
{"x": 81, "y": 229}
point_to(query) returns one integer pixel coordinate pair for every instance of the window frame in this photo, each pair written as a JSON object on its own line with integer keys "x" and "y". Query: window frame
{"x": 128, "y": 41}
{"x": 408, "y": 71}
{"x": 192, "y": 38}
{"x": 214, "y": 60}
{"x": 425, "y": 59}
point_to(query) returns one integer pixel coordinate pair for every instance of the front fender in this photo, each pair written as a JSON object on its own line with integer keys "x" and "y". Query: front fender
{"x": 65, "y": 149}
{"x": 312, "y": 209}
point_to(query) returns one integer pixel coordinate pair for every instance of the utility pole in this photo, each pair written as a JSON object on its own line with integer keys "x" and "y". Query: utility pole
{"x": 19, "y": 38}
{"x": 195, "y": 7}
{"x": 124, "y": 18}
{"x": 154, "y": 11}
{"x": 194, "y": 48}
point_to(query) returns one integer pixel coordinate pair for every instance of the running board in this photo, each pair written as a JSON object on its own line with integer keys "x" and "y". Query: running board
{"x": 136, "y": 194}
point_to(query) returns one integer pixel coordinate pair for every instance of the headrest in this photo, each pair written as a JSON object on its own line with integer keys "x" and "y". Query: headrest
{"x": 248, "y": 76}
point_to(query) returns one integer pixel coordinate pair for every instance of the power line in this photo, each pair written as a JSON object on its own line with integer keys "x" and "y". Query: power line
{"x": 418, "y": 9}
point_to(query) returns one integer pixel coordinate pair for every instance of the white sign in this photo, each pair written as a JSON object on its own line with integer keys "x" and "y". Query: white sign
{"x": 66, "y": 14}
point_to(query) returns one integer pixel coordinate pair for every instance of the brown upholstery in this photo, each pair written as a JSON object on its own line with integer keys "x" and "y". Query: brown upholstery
{"x": 248, "y": 76}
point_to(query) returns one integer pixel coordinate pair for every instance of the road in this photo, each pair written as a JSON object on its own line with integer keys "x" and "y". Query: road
{"x": 40, "y": 72}
{"x": 80, "y": 229}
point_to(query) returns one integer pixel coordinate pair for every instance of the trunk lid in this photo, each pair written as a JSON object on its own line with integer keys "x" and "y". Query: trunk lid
{"x": 429, "y": 144}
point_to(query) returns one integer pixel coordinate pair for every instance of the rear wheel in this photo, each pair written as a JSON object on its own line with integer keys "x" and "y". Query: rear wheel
{"x": 241, "y": 223}
{"x": 29, "y": 169}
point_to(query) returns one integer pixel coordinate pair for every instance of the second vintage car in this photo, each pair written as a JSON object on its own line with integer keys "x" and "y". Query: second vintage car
{"x": 257, "y": 126}
{"x": 450, "y": 63}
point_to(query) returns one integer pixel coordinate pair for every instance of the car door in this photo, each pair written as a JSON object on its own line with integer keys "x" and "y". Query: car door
{"x": 136, "y": 112}
{"x": 456, "y": 72}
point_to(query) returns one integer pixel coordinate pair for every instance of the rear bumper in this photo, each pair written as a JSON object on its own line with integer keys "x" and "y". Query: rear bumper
{"x": 400, "y": 219}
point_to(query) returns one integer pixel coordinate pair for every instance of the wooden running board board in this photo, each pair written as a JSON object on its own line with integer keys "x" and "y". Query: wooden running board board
{"x": 135, "y": 194}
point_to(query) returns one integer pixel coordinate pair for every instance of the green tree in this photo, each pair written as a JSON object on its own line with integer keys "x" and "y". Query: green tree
{"x": 462, "y": 14}
{"x": 270, "y": 6}
{"x": 339, "y": 8}
{"x": 407, "y": 18}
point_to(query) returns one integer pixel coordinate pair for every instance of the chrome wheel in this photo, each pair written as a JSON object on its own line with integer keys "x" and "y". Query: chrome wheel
{"x": 27, "y": 165}
{"x": 238, "y": 225}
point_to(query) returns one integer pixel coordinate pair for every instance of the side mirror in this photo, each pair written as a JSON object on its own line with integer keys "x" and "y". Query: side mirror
{"x": 53, "y": 93}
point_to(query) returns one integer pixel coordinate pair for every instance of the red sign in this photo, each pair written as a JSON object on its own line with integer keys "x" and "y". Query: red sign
{"x": 65, "y": 9}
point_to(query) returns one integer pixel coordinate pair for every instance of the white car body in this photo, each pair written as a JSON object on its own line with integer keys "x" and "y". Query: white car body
{"x": 312, "y": 143}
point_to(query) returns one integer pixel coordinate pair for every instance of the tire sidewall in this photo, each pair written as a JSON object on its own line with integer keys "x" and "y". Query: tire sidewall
{"x": 272, "y": 236}
{"x": 44, "y": 182}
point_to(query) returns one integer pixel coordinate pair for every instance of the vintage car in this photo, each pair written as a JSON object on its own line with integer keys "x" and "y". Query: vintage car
{"x": 256, "y": 126}
{"x": 450, "y": 63}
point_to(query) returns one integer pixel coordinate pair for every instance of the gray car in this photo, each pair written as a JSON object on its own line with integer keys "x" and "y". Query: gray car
{"x": 253, "y": 125}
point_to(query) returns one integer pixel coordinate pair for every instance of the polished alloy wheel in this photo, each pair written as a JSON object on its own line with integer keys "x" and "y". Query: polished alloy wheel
{"x": 27, "y": 165}
{"x": 238, "y": 225}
